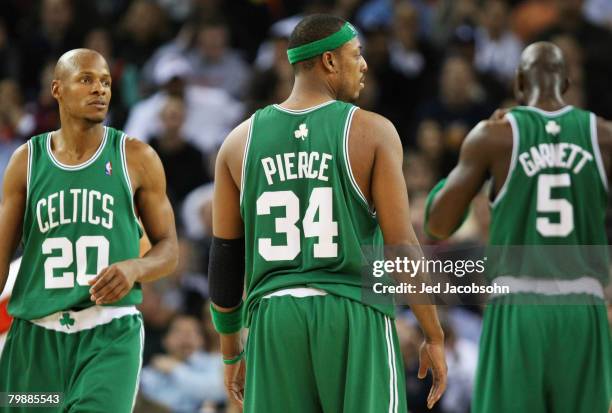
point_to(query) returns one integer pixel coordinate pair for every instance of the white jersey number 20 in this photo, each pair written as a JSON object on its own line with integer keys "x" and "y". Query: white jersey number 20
{"x": 66, "y": 258}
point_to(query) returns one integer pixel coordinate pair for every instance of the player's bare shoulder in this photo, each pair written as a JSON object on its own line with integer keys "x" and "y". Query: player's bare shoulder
{"x": 232, "y": 150}
{"x": 143, "y": 162}
{"x": 369, "y": 129}
{"x": 604, "y": 135}
{"x": 493, "y": 135}
{"x": 16, "y": 174}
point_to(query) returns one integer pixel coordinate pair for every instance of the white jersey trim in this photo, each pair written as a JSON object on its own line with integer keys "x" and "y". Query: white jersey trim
{"x": 515, "y": 148}
{"x": 29, "y": 169}
{"x": 582, "y": 285}
{"x": 596, "y": 151}
{"x": 347, "y": 161}
{"x": 81, "y": 165}
{"x": 547, "y": 113}
{"x": 245, "y": 156}
{"x": 126, "y": 175}
{"x": 84, "y": 319}
{"x": 303, "y": 111}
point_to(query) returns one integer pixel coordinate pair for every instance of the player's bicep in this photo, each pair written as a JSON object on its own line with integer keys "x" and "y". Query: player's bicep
{"x": 151, "y": 200}
{"x": 12, "y": 207}
{"x": 389, "y": 190}
{"x": 227, "y": 220}
{"x": 466, "y": 179}
{"x": 462, "y": 184}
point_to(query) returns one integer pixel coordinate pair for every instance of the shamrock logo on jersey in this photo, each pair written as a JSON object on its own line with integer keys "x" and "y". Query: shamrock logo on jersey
{"x": 301, "y": 132}
{"x": 66, "y": 320}
{"x": 552, "y": 127}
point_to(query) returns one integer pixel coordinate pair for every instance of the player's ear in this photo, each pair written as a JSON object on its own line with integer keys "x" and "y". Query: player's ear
{"x": 55, "y": 86}
{"x": 519, "y": 87}
{"x": 566, "y": 85}
{"x": 330, "y": 62}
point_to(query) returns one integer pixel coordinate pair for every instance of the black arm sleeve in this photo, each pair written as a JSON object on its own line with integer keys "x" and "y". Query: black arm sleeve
{"x": 226, "y": 271}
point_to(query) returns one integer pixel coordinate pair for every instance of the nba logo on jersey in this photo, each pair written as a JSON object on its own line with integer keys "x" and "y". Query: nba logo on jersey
{"x": 108, "y": 168}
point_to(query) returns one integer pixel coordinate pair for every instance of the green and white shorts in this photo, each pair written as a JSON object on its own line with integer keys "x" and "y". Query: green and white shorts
{"x": 92, "y": 357}
{"x": 309, "y": 351}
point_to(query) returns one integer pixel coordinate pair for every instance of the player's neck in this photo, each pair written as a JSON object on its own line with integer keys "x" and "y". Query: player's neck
{"x": 79, "y": 136}
{"x": 546, "y": 101}
{"x": 308, "y": 92}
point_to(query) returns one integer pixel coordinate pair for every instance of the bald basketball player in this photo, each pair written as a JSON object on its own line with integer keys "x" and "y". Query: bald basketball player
{"x": 70, "y": 196}
{"x": 296, "y": 187}
{"x": 545, "y": 347}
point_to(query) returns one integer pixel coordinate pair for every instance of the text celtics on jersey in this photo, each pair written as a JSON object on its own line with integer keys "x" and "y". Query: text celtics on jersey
{"x": 77, "y": 205}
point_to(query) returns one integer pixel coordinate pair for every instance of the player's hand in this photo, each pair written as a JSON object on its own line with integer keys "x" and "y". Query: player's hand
{"x": 431, "y": 356}
{"x": 234, "y": 380}
{"x": 113, "y": 283}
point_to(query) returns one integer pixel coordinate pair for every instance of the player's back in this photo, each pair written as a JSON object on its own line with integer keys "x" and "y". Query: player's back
{"x": 554, "y": 197}
{"x": 78, "y": 220}
{"x": 306, "y": 220}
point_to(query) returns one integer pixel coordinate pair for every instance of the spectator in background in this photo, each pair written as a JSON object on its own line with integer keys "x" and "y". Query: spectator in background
{"x": 182, "y": 292}
{"x": 430, "y": 142}
{"x": 9, "y": 55}
{"x": 272, "y": 81}
{"x": 599, "y": 12}
{"x": 55, "y": 34}
{"x": 462, "y": 357}
{"x": 460, "y": 104}
{"x": 183, "y": 162}
{"x": 410, "y": 71}
{"x": 125, "y": 75}
{"x": 186, "y": 377}
{"x": 497, "y": 48}
{"x": 450, "y": 15}
{"x": 16, "y": 124}
{"x": 596, "y": 43}
{"x": 214, "y": 63}
{"x": 142, "y": 30}
{"x": 211, "y": 113}
{"x": 44, "y": 108}
{"x": 574, "y": 62}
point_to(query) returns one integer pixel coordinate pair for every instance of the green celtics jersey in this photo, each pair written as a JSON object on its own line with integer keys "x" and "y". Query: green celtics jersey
{"x": 554, "y": 198}
{"x": 78, "y": 220}
{"x": 306, "y": 220}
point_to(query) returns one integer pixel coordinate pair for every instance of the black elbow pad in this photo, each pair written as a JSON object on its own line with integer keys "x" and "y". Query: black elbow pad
{"x": 226, "y": 271}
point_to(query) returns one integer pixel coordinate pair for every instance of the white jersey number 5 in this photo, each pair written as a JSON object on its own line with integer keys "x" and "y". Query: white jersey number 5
{"x": 562, "y": 207}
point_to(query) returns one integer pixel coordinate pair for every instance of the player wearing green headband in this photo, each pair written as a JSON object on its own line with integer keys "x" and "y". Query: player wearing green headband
{"x": 296, "y": 187}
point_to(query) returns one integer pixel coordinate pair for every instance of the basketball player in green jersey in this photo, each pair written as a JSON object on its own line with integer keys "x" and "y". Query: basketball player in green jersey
{"x": 550, "y": 189}
{"x": 71, "y": 196}
{"x": 295, "y": 190}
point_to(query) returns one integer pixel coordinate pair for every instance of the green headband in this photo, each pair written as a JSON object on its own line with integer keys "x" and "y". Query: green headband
{"x": 331, "y": 42}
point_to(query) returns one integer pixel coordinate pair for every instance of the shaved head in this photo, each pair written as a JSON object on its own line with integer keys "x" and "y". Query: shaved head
{"x": 543, "y": 57}
{"x": 72, "y": 60}
{"x": 82, "y": 86}
{"x": 542, "y": 70}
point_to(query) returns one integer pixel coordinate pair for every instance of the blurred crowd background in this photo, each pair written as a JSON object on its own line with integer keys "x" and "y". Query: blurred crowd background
{"x": 185, "y": 72}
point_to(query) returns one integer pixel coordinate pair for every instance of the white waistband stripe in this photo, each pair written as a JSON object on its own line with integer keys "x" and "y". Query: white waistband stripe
{"x": 298, "y": 292}
{"x": 75, "y": 321}
{"x": 582, "y": 285}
